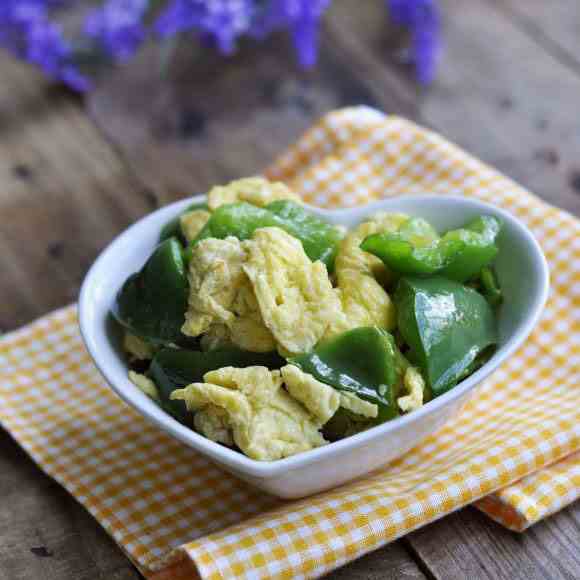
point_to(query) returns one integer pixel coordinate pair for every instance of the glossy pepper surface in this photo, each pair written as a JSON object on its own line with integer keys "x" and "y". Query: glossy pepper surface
{"x": 176, "y": 368}
{"x": 152, "y": 302}
{"x": 446, "y": 325}
{"x": 364, "y": 361}
{"x": 490, "y": 286}
{"x": 319, "y": 239}
{"x": 459, "y": 255}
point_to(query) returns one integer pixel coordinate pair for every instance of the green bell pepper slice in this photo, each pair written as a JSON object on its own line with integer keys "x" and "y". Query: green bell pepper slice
{"x": 490, "y": 286}
{"x": 239, "y": 219}
{"x": 364, "y": 361}
{"x": 176, "y": 368}
{"x": 459, "y": 255}
{"x": 446, "y": 325}
{"x": 319, "y": 239}
{"x": 172, "y": 229}
{"x": 153, "y": 301}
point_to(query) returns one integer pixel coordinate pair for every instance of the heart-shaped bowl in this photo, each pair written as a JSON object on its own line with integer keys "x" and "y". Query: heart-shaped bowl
{"x": 523, "y": 275}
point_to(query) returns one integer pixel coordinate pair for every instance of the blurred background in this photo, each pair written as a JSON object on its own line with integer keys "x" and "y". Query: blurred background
{"x": 192, "y": 90}
{"x": 111, "y": 108}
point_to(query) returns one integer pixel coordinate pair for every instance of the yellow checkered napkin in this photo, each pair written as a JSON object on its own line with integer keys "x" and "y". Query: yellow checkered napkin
{"x": 176, "y": 515}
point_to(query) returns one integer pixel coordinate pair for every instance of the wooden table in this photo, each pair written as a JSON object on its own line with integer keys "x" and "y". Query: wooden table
{"x": 74, "y": 173}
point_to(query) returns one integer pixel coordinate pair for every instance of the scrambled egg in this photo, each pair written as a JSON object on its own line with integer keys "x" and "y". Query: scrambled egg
{"x": 192, "y": 223}
{"x": 364, "y": 300}
{"x": 221, "y": 300}
{"x": 213, "y": 422}
{"x": 137, "y": 348}
{"x": 415, "y": 386}
{"x": 265, "y": 422}
{"x": 145, "y": 385}
{"x": 321, "y": 400}
{"x": 354, "y": 404}
{"x": 295, "y": 296}
{"x": 255, "y": 190}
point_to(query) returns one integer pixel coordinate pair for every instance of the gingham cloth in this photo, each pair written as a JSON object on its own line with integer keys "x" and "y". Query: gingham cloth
{"x": 176, "y": 515}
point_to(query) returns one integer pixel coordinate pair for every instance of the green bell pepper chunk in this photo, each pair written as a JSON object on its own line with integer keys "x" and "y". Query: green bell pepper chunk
{"x": 364, "y": 361}
{"x": 319, "y": 238}
{"x": 241, "y": 220}
{"x": 344, "y": 424}
{"x": 476, "y": 248}
{"x": 172, "y": 229}
{"x": 490, "y": 287}
{"x": 176, "y": 368}
{"x": 458, "y": 255}
{"x": 446, "y": 325}
{"x": 153, "y": 301}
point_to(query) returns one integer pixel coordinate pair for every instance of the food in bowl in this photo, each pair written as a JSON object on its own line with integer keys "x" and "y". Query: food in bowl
{"x": 268, "y": 330}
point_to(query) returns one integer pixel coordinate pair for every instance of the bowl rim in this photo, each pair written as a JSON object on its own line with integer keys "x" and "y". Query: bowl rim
{"x": 262, "y": 469}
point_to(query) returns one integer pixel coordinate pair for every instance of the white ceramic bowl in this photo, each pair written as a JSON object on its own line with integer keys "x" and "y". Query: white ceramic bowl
{"x": 523, "y": 275}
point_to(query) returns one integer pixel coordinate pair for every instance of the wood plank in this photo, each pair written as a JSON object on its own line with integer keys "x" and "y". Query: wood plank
{"x": 391, "y": 562}
{"x": 467, "y": 544}
{"x": 64, "y": 194}
{"x": 494, "y": 95}
{"x": 46, "y": 535}
{"x": 198, "y": 127}
{"x": 553, "y": 25}
{"x": 498, "y": 93}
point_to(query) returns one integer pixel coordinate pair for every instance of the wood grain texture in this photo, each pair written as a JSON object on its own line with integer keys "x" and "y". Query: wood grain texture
{"x": 393, "y": 562}
{"x": 44, "y": 533}
{"x": 64, "y": 195}
{"x": 198, "y": 128}
{"x": 67, "y": 188}
{"x": 555, "y": 26}
{"x": 467, "y": 544}
{"x": 498, "y": 93}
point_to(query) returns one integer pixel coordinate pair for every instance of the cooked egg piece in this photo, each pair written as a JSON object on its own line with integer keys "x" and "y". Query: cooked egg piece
{"x": 414, "y": 385}
{"x": 265, "y": 422}
{"x": 213, "y": 422}
{"x": 137, "y": 348}
{"x": 295, "y": 296}
{"x": 192, "y": 223}
{"x": 221, "y": 300}
{"x": 145, "y": 385}
{"x": 360, "y": 275}
{"x": 321, "y": 400}
{"x": 255, "y": 190}
{"x": 247, "y": 329}
{"x": 215, "y": 274}
{"x": 358, "y": 406}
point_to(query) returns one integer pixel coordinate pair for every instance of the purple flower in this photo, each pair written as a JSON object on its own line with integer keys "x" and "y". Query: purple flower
{"x": 26, "y": 30}
{"x": 423, "y": 19}
{"x": 303, "y": 18}
{"x": 51, "y": 53}
{"x": 118, "y": 26}
{"x": 224, "y": 20}
{"x": 115, "y": 30}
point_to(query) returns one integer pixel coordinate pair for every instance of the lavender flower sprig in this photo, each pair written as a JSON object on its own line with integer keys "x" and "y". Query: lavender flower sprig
{"x": 116, "y": 29}
{"x": 27, "y": 31}
{"x": 421, "y": 17}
